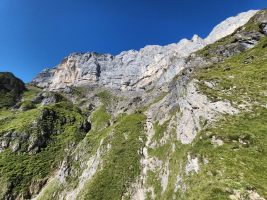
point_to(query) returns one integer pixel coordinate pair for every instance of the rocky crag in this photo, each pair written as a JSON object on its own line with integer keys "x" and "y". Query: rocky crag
{"x": 181, "y": 121}
{"x": 133, "y": 70}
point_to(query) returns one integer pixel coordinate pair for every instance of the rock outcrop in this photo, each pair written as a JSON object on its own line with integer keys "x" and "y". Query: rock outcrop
{"x": 133, "y": 70}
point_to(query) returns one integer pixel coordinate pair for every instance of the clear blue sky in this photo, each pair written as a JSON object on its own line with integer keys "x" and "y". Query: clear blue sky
{"x": 35, "y": 34}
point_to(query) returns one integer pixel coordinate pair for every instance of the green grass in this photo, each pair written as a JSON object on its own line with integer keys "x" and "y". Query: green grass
{"x": 18, "y": 120}
{"x": 87, "y": 148}
{"x": 106, "y": 97}
{"x": 30, "y": 93}
{"x": 253, "y": 24}
{"x": 208, "y": 51}
{"x": 22, "y": 168}
{"x": 154, "y": 180}
{"x": 27, "y": 105}
{"x": 12, "y": 93}
{"x": 121, "y": 165}
{"x": 161, "y": 152}
{"x": 234, "y": 165}
{"x": 100, "y": 118}
{"x": 52, "y": 191}
{"x": 241, "y": 162}
{"x": 160, "y": 130}
{"x": 5, "y": 113}
{"x": 242, "y": 83}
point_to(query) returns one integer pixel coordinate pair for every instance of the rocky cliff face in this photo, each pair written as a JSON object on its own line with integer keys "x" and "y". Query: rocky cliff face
{"x": 182, "y": 121}
{"x": 151, "y": 66}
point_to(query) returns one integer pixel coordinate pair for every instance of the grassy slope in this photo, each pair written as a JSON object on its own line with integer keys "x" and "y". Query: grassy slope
{"x": 235, "y": 165}
{"x": 11, "y": 89}
{"x": 100, "y": 128}
{"x": 122, "y": 164}
{"x": 240, "y": 83}
{"x": 239, "y": 164}
{"x": 21, "y": 168}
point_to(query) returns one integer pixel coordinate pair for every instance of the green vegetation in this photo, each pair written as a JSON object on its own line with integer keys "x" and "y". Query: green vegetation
{"x": 121, "y": 165}
{"x": 5, "y": 113}
{"x": 27, "y": 105}
{"x": 17, "y": 120}
{"x": 100, "y": 118}
{"x": 240, "y": 163}
{"x": 244, "y": 81}
{"x": 154, "y": 180}
{"x": 87, "y": 148}
{"x": 208, "y": 51}
{"x": 161, "y": 152}
{"x": 30, "y": 93}
{"x": 106, "y": 97}
{"x": 160, "y": 130}
{"x": 19, "y": 170}
{"x": 253, "y": 23}
{"x": 11, "y": 89}
{"x": 52, "y": 191}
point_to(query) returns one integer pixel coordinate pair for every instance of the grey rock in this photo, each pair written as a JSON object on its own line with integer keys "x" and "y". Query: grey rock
{"x": 85, "y": 126}
{"x": 192, "y": 165}
{"x": 151, "y": 66}
{"x": 263, "y": 28}
{"x": 46, "y": 98}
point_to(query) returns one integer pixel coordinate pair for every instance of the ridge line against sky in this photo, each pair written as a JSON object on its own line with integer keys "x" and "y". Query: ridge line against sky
{"x": 39, "y": 34}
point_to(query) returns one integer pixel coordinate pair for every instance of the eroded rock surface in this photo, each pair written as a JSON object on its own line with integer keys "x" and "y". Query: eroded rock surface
{"x": 133, "y": 70}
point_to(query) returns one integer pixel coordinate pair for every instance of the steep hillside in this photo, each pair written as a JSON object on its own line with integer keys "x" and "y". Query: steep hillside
{"x": 183, "y": 121}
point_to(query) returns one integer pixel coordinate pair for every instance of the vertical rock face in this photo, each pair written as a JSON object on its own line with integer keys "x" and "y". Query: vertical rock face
{"x": 133, "y": 70}
{"x": 128, "y": 70}
{"x": 76, "y": 69}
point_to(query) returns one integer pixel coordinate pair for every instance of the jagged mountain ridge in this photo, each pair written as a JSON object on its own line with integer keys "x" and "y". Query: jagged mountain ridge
{"x": 130, "y": 70}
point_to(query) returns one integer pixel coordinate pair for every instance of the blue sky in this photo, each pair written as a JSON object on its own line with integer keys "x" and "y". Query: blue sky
{"x": 35, "y": 34}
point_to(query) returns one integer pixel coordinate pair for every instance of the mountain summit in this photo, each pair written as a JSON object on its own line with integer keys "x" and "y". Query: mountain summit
{"x": 130, "y": 70}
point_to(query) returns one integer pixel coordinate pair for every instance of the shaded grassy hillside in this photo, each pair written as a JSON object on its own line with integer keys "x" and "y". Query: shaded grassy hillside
{"x": 11, "y": 89}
